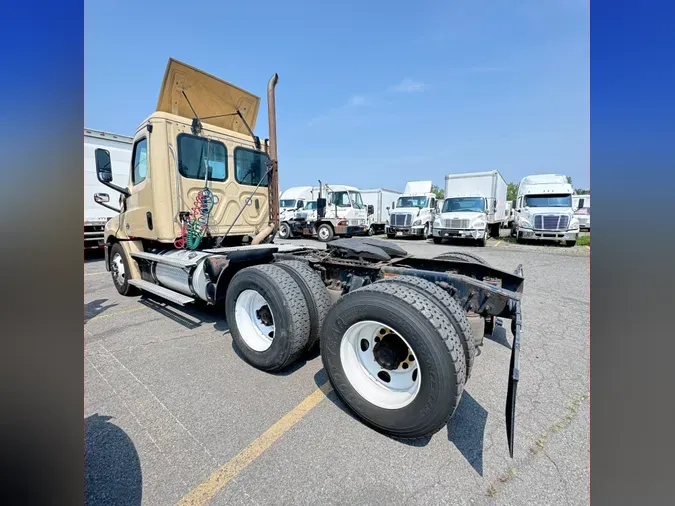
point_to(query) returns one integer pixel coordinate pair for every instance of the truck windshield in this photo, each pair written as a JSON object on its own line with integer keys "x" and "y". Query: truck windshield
{"x": 347, "y": 199}
{"x": 356, "y": 200}
{"x": 412, "y": 202}
{"x": 464, "y": 204}
{"x": 287, "y": 203}
{"x": 548, "y": 200}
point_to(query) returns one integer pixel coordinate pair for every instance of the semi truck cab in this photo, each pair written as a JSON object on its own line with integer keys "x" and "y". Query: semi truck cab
{"x": 414, "y": 212}
{"x": 544, "y": 210}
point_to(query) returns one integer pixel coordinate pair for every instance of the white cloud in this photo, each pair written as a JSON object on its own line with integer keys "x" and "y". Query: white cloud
{"x": 357, "y": 101}
{"x": 408, "y": 86}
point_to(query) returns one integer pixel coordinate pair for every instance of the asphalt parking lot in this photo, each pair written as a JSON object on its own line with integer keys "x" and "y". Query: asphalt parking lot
{"x": 173, "y": 414}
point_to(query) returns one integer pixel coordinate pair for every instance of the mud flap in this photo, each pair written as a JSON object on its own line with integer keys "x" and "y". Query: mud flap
{"x": 514, "y": 376}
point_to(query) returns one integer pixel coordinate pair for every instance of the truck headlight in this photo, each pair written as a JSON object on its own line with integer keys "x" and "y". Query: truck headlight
{"x": 522, "y": 222}
{"x": 574, "y": 225}
{"x": 437, "y": 222}
{"x": 479, "y": 224}
{"x": 417, "y": 222}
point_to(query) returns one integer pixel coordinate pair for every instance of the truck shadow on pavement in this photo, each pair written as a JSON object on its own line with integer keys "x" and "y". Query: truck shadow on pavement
{"x": 111, "y": 464}
{"x": 95, "y": 308}
{"x": 499, "y": 336}
{"x": 466, "y": 428}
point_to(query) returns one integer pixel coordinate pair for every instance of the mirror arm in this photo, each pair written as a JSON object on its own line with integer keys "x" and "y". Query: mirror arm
{"x": 123, "y": 191}
{"x": 108, "y": 206}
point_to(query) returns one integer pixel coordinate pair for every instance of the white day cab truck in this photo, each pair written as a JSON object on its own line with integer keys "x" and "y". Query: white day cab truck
{"x": 197, "y": 222}
{"x": 379, "y": 203}
{"x": 474, "y": 208}
{"x": 95, "y": 216}
{"x": 290, "y": 202}
{"x": 343, "y": 214}
{"x": 414, "y": 213}
{"x": 544, "y": 210}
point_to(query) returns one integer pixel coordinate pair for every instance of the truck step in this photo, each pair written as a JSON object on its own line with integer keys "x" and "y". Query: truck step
{"x": 165, "y": 293}
{"x": 162, "y": 259}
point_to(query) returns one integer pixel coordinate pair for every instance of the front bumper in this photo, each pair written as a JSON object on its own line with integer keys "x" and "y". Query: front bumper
{"x": 417, "y": 230}
{"x": 455, "y": 233}
{"x": 351, "y": 229}
{"x": 548, "y": 235}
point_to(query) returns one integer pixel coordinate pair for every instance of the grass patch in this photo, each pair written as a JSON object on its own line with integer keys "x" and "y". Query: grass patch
{"x": 584, "y": 240}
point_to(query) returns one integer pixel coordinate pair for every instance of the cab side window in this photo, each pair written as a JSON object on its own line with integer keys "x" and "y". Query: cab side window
{"x": 433, "y": 203}
{"x": 140, "y": 160}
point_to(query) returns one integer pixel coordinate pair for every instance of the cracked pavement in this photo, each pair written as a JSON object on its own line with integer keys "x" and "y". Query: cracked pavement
{"x": 168, "y": 401}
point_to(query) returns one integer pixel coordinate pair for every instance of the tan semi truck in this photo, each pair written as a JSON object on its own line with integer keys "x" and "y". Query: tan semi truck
{"x": 398, "y": 334}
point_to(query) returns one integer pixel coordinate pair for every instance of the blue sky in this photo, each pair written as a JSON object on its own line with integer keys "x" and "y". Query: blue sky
{"x": 371, "y": 94}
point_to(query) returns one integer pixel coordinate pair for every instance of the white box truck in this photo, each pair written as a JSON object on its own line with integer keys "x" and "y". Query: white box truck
{"x": 379, "y": 202}
{"x": 96, "y": 216}
{"x": 544, "y": 210}
{"x": 414, "y": 212}
{"x": 474, "y": 207}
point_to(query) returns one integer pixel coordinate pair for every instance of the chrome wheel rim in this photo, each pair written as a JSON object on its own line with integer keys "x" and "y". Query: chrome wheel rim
{"x": 117, "y": 269}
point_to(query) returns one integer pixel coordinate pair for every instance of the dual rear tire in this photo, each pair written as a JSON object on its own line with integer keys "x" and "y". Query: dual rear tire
{"x": 398, "y": 352}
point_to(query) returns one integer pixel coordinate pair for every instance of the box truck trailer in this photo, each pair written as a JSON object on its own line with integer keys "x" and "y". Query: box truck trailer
{"x": 379, "y": 202}
{"x": 96, "y": 216}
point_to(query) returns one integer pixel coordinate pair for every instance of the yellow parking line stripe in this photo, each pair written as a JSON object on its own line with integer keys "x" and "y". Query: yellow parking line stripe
{"x": 109, "y": 315}
{"x": 498, "y": 242}
{"x": 207, "y": 490}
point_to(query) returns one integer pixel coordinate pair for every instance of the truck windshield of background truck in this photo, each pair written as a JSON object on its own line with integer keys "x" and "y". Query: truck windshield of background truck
{"x": 548, "y": 201}
{"x": 250, "y": 167}
{"x": 464, "y": 204}
{"x": 287, "y": 204}
{"x": 419, "y": 202}
{"x": 347, "y": 199}
{"x": 195, "y": 153}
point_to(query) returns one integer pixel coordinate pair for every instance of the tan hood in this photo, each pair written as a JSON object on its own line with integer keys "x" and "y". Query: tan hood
{"x": 208, "y": 95}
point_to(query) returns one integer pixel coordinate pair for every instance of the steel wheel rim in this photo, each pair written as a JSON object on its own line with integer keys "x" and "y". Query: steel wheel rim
{"x": 117, "y": 268}
{"x": 364, "y": 372}
{"x": 284, "y": 231}
{"x": 323, "y": 232}
{"x": 252, "y": 320}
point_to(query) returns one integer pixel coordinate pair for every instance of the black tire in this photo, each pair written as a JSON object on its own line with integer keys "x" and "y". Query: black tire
{"x": 124, "y": 288}
{"x": 462, "y": 256}
{"x": 570, "y": 244}
{"x": 483, "y": 242}
{"x": 315, "y": 293}
{"x": 329, "y": 232}
{"x": 431, "y": 337}
{"x": 450, "y": 307}
{"x": 426, "y": 232}
{"x": 289, "y": 310}
{"x": 285, "y": 231}
{"x": 390, "y": 236}
{"x": 438, "y": 240}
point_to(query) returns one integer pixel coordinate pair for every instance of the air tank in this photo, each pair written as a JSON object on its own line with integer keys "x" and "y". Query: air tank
{"x": 178, "y": 279}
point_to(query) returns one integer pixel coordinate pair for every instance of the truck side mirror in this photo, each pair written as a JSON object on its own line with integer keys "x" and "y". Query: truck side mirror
{"x": 321, "y": 207}
{"x": 371, "y": 209}
{"x": 103, "y": 166}
{"x": 101, "y": 198}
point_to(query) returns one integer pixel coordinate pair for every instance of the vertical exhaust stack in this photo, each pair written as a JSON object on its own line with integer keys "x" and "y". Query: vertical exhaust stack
{"x": 273, "y": 180}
